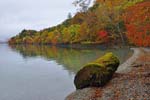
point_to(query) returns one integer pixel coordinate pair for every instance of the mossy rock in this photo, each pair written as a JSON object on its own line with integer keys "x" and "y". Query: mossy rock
{"x": 97, "y": 73}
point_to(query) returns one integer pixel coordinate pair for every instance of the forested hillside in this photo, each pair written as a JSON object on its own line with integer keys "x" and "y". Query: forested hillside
{"x": 106, "y": 22}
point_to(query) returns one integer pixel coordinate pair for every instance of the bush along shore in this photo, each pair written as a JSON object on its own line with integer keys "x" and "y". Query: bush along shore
{"x": 130, "y": 83}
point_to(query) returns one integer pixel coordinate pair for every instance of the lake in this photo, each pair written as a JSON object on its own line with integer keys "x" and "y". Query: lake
{"x": 44, "y": 72}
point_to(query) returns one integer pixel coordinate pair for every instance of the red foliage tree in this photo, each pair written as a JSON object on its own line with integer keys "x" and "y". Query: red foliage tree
{"x": 137, "y": 20}
{"x": 102, "y": 34}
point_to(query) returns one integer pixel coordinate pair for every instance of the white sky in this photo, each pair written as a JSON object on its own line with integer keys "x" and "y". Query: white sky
{"x": 16, "y": 15}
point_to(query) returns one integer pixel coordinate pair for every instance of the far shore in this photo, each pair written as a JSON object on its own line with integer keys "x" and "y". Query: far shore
{"x": 3, "y": 42}
{"x": 82, "y": 46}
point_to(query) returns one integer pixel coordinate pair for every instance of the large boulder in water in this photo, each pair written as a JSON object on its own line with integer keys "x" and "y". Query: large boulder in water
{"x": 98, "y": 72}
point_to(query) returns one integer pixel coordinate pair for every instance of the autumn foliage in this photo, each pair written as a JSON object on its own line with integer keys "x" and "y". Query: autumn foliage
{"x": 102, "y": 34}
{"x": 107, "y": 21}
{"x": 137, "y": 19}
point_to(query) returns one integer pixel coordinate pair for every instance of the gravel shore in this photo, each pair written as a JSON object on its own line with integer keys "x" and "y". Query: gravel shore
{"x": 127, "y": 84}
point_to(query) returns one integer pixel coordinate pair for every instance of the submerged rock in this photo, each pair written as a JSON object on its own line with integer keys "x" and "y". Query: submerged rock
{"x": 97, "y": 73}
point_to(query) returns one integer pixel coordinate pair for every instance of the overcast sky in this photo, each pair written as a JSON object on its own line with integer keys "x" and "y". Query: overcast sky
{"x": 16, "y": 15}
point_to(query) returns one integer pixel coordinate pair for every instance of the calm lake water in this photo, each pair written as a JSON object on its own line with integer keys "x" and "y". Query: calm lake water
{"x": 44, "y": 72}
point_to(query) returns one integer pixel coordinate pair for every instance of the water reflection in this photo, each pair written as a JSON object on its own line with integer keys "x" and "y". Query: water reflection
{"x": 71, "y": 59}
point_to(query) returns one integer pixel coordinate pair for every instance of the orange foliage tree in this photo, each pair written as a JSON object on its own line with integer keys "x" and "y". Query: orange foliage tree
{"x": 137, "y": 20}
